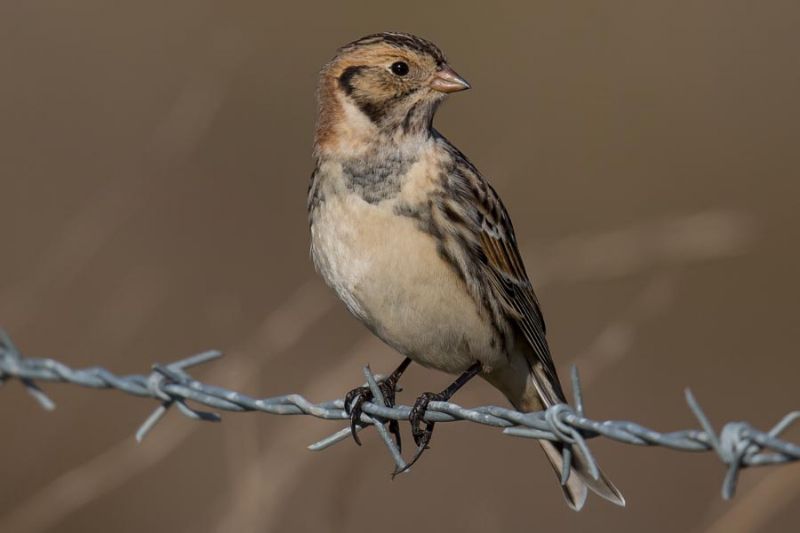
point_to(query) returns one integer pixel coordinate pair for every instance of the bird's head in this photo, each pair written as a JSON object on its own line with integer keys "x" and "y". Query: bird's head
{"x": 389, "y": 83}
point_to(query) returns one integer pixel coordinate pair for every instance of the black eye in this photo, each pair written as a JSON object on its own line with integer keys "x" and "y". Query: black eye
{"x": 400, "y": 68}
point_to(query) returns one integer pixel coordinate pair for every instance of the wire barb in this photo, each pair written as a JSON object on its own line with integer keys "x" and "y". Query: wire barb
{"x": 738, "y": 445}
{"x": 173, "y": 374}
{"x": 12, "y": 359}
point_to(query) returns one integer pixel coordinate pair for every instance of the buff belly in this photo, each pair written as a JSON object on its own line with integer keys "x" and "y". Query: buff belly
{"x": 390, "y": 275}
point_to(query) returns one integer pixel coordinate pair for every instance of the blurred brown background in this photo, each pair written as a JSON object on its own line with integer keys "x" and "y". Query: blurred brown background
{"x": 154, "y": 159}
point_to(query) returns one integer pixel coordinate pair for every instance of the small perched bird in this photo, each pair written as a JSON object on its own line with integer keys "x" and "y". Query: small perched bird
{"x": 418, "y": 245}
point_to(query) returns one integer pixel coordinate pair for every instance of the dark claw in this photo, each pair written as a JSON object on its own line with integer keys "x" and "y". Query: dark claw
{"x": 422, "y": 437}
{"x": 348, "y": 399}
{"x": 356, "y": 398}
{"x": 352, "y": 406}
{"x": 417, "y": 416}
{"x": 424, "y": 441}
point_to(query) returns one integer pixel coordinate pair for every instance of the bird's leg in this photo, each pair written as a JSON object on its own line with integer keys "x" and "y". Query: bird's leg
{"x": 422, "y": 437}
{"x": 356, "y": 398}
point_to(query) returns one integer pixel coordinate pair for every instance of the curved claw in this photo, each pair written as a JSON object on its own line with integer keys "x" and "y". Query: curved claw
{"x": 356, "y": 398}
{"x": 422, "y": 437}
{"x": 350, "y": 396}
{"x": 352, "y": 406}
{"x": 426, "y": 439}
{"x": 417, "y": 416}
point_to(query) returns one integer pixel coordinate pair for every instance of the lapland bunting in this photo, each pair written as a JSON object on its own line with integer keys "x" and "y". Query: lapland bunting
{"x": 417, "y": 244}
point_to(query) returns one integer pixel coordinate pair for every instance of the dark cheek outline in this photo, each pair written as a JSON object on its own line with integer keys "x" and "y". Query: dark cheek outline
{"x": 376, "y": 111}
{"x": 346, "y": 78}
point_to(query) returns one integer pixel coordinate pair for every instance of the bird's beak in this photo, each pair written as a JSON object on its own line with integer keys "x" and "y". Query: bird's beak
{"x": 447, "y": 80}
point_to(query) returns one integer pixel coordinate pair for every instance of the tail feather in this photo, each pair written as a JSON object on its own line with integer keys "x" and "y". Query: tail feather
{"x": 529, "y": 388}
{"x": 575, "y": 490}
{"x": 580, "y": 477}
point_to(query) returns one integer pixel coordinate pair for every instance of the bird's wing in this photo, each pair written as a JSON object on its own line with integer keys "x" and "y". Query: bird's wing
{"x": 469, "y": 201}
{"x": 505, "y": 272}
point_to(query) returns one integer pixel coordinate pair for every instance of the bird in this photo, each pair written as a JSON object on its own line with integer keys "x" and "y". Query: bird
{"x": 418, "y": 245}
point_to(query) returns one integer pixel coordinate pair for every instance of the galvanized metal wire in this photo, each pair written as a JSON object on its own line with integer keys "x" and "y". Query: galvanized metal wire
{"x": 737, "y": 444}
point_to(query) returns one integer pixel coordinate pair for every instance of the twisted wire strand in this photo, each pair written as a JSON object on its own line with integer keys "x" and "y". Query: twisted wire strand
{"x": 737, "y": 445}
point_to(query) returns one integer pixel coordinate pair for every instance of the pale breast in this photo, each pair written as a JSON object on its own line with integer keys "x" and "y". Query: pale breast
{"x": 389, "y": 274}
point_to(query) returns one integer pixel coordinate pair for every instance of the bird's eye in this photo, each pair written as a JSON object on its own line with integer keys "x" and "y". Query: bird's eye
{"x": 399, "y": 68}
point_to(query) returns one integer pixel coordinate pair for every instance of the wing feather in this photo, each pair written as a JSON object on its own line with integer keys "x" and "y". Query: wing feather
{"x": 509, "y": 280}
{"x": 501, "y": 271}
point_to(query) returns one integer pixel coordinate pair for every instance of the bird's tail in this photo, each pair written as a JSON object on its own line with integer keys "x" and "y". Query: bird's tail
{"x": 580, "y": 477}
{"x": 533, "y": 391}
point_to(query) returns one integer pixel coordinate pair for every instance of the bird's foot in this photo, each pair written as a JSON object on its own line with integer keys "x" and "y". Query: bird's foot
{"x": 355, "y": 399}
{"x": 422, "y": 437}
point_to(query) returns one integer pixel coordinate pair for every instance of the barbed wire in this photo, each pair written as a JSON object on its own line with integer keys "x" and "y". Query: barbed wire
{"x": 737, "y": 445}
